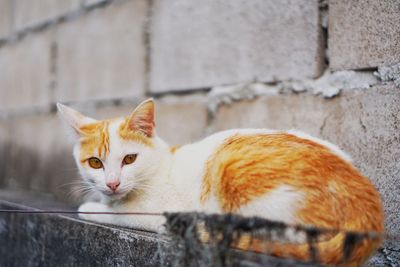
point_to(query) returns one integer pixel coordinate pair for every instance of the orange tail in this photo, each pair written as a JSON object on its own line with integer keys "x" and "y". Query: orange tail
{"x": 332, "y": 251}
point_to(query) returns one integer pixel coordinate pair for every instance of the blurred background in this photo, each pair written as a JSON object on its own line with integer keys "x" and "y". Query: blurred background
{"x": 329, "y": 68}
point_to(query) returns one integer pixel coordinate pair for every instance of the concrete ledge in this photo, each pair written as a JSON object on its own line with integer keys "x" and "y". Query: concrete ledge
{"x": 58, "y": 240}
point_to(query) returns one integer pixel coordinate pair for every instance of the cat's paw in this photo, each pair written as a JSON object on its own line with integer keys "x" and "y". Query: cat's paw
{"x": 92, "y": 207}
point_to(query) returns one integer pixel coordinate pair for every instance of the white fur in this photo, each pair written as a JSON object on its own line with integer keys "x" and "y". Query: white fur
{"x": 160, "y": 181}
{"x": 279, "y": 205}
{"x": 73, "y": 120}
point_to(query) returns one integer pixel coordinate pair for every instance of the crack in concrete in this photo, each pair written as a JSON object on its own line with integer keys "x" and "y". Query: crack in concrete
{"x": 226, "y": 95}
{"x": 323, "y": 125}
{"x": 329, "y": 85}
{"x": 363, "y": 125}
{"x": 360, "y": 118}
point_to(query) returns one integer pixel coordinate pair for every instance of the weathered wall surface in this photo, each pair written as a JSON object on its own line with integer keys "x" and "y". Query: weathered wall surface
{"x": 363, "y": 34}
{"x": 330, "y": 68}
{"x": 202, "y": 44}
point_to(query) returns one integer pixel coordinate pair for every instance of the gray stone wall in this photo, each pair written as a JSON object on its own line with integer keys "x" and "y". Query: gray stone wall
{"x": 330, "y": 68}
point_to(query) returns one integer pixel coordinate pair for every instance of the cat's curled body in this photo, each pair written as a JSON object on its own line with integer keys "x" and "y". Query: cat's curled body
{"x": 283, "y": 176}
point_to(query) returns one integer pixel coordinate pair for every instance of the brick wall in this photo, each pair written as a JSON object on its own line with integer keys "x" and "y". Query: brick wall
{"x": 325, "y": 67}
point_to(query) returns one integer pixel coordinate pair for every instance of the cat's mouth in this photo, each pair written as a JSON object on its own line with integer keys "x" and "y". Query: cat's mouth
{"x": 115, "y": 194}
{"x": 118, "y": 194}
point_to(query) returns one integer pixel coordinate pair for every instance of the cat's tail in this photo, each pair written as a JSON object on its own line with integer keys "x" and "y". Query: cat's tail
{"x": 330, "y": 251}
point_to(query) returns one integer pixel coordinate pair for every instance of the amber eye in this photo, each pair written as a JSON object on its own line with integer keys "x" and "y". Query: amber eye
{"x": 129, "y": 159}
{"x": 95, "y": 163}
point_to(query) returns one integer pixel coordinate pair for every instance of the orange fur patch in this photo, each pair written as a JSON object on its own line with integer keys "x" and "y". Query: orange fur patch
{"x": 128, "y": 134}
{"x": 94, "y": 138}
{"x": 246, "y": 167}
{"x": 173, "y": 149}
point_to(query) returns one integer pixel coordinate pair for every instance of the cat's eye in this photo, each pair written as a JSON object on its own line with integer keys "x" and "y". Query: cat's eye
{"x": 129, "y": 159}
{"x": 95, "y": 163}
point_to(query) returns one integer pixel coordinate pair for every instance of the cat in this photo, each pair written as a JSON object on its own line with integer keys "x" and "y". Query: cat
{"x": 285, "y": 176}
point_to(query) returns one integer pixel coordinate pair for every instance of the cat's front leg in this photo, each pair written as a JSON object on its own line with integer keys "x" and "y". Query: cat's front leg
{"x": 96, "y": 207}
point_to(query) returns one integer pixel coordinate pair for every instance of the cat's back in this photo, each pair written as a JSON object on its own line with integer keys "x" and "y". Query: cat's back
{"x": 307, "y": 179}
{"x": 250, "y": 156}
{"x": 229, "y": 142}
{"x": 208, "y": 145}
{"x": 232, "y": 170}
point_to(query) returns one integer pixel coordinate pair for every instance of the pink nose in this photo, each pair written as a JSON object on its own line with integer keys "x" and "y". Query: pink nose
{"x": 113, "y": 185}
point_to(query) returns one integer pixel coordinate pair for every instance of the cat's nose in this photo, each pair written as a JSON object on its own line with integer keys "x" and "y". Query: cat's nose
{"x": 113, "y": 185}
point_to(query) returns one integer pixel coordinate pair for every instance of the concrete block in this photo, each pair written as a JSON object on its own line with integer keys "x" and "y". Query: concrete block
{"x": 102, "y": 54}
{"x": 34, "y": 12}
{"x": 36, "y": 156}
{"x": 25, "y": 72}
{"x": 363, "y": 123}
{"x": 180, "y": 123}
{"x": 5, "y": 18}
{"x": 203, "y": 44}
{"x": 363, "y": 34}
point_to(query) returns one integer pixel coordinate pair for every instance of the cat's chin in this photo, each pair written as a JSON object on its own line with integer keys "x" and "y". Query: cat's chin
{"x": 115, "y": 195}
{"x": 118, "y": 196}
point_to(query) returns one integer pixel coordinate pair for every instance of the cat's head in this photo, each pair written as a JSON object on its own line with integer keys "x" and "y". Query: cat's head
{"x": 117, "y": 156}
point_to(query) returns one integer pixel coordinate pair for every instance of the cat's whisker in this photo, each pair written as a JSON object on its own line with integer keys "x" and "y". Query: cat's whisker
{"x": 143, "y": 187}
{"x": 80, "y": 188}
{"x": 82, "y": 195}
{"x": 138, "y": 185}
{"x": 74, "y": 183}
{"x": 82, "y": 184}
{"x": 79, "y": 191}
{"x": 142, "y": 184}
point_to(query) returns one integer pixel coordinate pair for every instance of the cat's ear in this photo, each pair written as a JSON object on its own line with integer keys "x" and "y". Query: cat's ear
{"x": 142, "y": 118}
{"x": 73, "y": 118}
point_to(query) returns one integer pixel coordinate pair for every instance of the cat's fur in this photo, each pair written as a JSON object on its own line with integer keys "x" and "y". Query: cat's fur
{"x": 284, "y": 176}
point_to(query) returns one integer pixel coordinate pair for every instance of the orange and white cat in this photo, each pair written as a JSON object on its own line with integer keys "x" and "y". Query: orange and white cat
{"x": 282, "y": 176}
